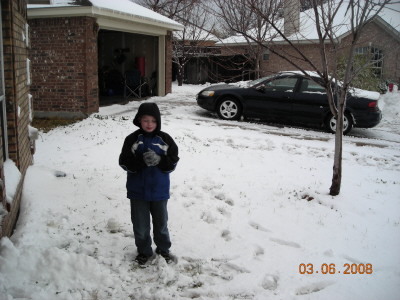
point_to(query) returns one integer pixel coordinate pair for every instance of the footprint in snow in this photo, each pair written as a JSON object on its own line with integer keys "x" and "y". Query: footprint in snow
{"x": 270, "y": 282}
{"x": 233, "y": 267}
{"x": 285, "y": 243}
{"x": 226, "y": 235}
{"x": 352, "y": 259}
{"x": 230, "y": 202}
{"x": 208, "y": 217}
{"x": 313, "y": 288}
{"x": 258, "y": 251}
{"x": 222, "y": 197}
{"x": 258, "y": 227}
{"x": 223, "y": 211}
{"x": 60, "y": 173}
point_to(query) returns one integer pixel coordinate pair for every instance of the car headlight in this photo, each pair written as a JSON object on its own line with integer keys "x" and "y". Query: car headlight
{"x": 207, "y": 93}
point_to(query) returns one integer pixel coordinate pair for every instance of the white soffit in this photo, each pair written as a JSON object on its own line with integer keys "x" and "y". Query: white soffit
{"x": 106, "y": 18}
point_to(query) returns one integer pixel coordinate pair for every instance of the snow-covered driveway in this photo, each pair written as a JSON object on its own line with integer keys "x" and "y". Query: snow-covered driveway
{"x": 249, "y": 213}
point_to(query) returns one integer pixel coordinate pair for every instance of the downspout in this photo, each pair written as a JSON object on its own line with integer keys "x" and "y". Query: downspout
{"x": 3, "y": 104}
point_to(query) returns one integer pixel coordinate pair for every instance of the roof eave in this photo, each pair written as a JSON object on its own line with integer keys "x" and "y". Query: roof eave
{"x": 58, "y": 11}
{"x": 387, "y": 27}
{"x": 92, "y": 11}
{"x": 381, "y": 23}
{"x": 139, "y": 19}
{"x": 271, "y": 42}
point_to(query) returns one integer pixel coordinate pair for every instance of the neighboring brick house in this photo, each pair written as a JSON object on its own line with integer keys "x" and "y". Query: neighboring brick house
{"x": 15, "y": 110}
{"x": 381, "y": 39}
{"x": 375, "y": 38}
{"x": 81, "y": 51}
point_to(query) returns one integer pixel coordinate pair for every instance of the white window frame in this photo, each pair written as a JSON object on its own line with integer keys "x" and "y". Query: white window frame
{"x": 376, "y": 57}
{"x": 27, "y": 35}
{"x": 28, "y": 71}
{"x": 30, "y": 100}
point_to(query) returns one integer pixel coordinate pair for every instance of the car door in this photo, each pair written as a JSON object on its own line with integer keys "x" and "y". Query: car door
{"x": 310, "y": 102}
{"x": 273, "y": 99}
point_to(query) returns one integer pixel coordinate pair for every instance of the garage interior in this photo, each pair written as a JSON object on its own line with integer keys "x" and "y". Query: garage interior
{"x": 121, "y": 54}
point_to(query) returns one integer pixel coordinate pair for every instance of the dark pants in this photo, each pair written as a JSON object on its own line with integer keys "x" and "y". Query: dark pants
{"x": 140, "y": 216}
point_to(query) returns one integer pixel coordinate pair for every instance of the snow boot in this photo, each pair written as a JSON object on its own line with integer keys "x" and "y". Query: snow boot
{"x": 165, "y": 255}
{"x": 141, "y": 259}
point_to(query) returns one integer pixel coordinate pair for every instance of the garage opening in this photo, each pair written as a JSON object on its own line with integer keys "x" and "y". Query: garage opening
{"x": 124, "y": 58}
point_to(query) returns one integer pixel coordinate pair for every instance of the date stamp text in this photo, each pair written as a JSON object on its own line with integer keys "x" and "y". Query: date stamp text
{"x": 334, "y": 269}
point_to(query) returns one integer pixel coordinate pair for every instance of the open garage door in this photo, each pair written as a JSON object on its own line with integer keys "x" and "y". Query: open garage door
{"x": 122, "y": 53}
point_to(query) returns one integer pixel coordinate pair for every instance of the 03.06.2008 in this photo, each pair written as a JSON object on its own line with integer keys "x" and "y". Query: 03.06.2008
{"x": 333, "y": 269}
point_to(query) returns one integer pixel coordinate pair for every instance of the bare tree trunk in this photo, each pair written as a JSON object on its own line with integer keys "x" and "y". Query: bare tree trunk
{"x": 337, "y": 161}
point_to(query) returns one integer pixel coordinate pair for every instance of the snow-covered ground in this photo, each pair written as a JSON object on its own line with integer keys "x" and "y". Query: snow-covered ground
{"x": 249, "y": 206}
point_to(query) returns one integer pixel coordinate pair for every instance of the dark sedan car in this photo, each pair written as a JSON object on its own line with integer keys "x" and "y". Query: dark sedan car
{"x": 289, "y": 97}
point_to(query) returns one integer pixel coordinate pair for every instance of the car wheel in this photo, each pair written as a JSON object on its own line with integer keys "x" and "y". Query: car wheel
{"x": 347, "y": 123}
{"x": 229, "y": 109}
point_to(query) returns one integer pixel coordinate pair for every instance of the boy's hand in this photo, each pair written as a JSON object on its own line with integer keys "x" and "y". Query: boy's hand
{"x": 151, "y": 158}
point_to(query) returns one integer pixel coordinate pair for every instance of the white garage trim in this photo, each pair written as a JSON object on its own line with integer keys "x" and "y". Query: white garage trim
{"x": 105, "y": 16}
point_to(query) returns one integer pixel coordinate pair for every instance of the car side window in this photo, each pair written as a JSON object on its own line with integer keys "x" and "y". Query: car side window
{"x": 286, "y": 84}
{"x": 310, "y": 86}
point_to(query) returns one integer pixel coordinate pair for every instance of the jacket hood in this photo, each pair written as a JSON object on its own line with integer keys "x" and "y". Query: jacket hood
{"x": 150, "y": 109}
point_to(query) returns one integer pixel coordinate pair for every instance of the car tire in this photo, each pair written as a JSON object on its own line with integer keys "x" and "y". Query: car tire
{"x": 330, "y": 123}
{"x": 229, "y": 109}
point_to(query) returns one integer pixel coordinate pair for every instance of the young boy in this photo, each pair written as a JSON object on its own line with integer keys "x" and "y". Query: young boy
{"x": 149, "y": 155}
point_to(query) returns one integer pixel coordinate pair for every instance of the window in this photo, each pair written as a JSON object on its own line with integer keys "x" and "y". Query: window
{"x": 310, "y": 86}
{"x": 285, "y": 84}
{"x": 374, "y": 56}
{"x": 266, "y": 55}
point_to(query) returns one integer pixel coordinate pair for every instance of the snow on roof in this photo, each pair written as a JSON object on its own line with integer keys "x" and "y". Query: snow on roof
{"x": 123, "y": 7}
{"x": 390, "y": 15}
{"x": 195, "y": 34}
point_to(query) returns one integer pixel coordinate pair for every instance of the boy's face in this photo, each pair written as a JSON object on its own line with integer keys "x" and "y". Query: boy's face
{"x": 148, "y": 123}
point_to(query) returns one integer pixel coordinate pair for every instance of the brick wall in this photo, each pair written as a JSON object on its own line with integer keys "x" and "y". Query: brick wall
{"x": 17, "y": 101}
{"x": 375, "y": 35}
{"x": 275, "y": 63}
{"x": 64, "y": 65}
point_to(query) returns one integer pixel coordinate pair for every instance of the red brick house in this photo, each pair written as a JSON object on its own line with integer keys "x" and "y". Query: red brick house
{"x": 81, "y": 51}
{"x": 380, "y": 39}
{"x": 17, "y": 144}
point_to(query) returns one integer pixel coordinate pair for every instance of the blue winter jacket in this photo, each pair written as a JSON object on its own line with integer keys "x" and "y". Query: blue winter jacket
{"x": 143, "y": 182}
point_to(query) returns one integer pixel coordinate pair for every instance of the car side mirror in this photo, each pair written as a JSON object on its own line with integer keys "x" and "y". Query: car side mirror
{"x": 261, "y": 88}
